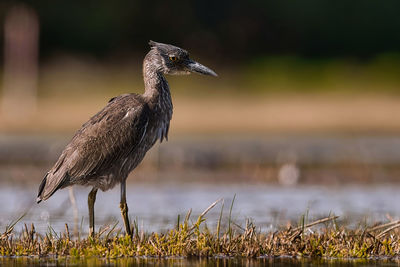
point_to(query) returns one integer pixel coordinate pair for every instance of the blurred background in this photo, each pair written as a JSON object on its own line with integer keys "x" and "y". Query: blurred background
{"x": 302, "y": 118}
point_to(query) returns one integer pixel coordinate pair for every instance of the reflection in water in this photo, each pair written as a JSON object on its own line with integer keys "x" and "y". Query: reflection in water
{"x": 270, "y": 261}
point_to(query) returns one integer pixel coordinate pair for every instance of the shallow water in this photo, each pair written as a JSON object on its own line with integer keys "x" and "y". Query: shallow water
{"x": 281, "y": 261}
{"x": 156, "y": 207}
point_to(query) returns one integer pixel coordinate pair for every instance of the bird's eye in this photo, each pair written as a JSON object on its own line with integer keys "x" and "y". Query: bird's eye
{"x": 173, "y": 58}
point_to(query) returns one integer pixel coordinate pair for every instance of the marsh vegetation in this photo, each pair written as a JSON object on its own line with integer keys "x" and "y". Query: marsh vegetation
{"x": 194, "y": 238}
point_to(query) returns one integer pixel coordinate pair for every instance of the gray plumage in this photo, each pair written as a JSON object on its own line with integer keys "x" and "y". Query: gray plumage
{"x": 115, "y": 140}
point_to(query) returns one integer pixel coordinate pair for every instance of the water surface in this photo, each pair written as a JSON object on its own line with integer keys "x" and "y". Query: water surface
{"x": 280, "y": 261}
{"x": 156, "y": 206}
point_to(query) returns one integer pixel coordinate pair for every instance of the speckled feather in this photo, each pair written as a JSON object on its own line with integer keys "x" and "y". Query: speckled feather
{"x": 115, "y": 140}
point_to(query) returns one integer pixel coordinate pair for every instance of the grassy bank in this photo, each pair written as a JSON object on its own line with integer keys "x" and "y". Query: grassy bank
{"x": 321, "y": 238}
{"x": 274, "y": 114}
{"x": 269, "y": 95}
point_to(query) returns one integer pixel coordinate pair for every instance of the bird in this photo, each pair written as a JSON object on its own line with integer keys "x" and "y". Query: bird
{"x": 114, "y": 141}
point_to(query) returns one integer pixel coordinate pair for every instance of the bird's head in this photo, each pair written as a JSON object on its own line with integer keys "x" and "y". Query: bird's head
{"x": 174, "y": 60}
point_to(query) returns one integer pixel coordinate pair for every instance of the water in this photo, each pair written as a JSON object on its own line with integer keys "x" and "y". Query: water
{"x": 203, "y": 170}
{"x": 248, "y": 170}
{"x": 268, "y": 261}
{"x": 156, "y": 206}
{"x": 319, "y": 159}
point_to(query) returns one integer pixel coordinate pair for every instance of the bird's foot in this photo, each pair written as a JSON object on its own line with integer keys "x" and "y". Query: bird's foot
{"x": 91, "y": 232}
{"x": 124, "y": 212}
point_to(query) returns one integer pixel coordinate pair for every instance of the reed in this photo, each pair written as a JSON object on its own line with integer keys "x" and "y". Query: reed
{"x": 321, "y": 238}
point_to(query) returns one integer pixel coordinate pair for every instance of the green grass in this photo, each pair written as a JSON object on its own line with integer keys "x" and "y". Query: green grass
{"x": 321, "y": 238}
{"x": 72, "y": 77}
{"x": 340, "y": 75}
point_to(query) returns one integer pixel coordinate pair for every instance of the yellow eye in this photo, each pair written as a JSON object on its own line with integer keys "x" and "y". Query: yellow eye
{"x": 173, "y": 58}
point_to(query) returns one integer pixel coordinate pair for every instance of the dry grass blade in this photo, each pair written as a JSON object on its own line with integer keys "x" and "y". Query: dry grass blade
{"x": 329, "y": 241}
{"x": 210, "y": 207}
{"x": 111, "y": 230}
{"x": 295, "y": 235}
{"x": 381, "y": 226}
{"x": 327, "y": 219}
{"x": 10, "y": 227}
{"x": 388, "y": 230}
{"x": 155, "y": 247}
{"x": 238, "y": 226}
{"x": 220, "y": 218}
{"x": 200, "y": 218}
{"x": 187, "y": 217}
{"x": 67, "y": 232}
{"x": 102, "y": 231}
{"x": 230, "y": 217}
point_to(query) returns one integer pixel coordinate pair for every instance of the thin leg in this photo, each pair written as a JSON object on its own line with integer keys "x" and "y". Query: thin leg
{"x": 74, "y": 209}
{"x": 124, "y": 209}
{"x": 91, "y": 200}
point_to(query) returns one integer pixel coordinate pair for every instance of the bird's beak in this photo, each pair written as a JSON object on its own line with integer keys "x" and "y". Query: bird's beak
{"x": 194, "y": 66}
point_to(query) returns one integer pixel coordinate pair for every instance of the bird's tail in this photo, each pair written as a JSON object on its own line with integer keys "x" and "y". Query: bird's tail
{"x": 49, "y": 186}
{"x": 41, "y": 187}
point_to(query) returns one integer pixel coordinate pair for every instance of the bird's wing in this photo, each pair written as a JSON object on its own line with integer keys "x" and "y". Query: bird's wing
{"x": 112, "y": 133}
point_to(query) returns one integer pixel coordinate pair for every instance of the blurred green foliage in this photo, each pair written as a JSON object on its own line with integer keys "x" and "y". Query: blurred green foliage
{"x": 230, "y": 30}
{"x": 262, "y": 75}
{"x": 342, "y": 75}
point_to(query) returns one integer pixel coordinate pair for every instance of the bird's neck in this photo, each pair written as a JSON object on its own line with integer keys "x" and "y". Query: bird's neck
{"x": 156, "y": 86}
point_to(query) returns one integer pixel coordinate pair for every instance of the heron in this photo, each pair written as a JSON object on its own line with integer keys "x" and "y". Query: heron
{"x": 114, "y": 141}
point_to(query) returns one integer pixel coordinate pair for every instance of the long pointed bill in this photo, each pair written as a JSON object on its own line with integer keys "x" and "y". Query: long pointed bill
{"x": 194, "y": 66}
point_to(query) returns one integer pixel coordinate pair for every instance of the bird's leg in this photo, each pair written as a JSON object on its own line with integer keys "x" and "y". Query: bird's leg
{"x": 91, "y": 200}
{"x": 124, "y": 209}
